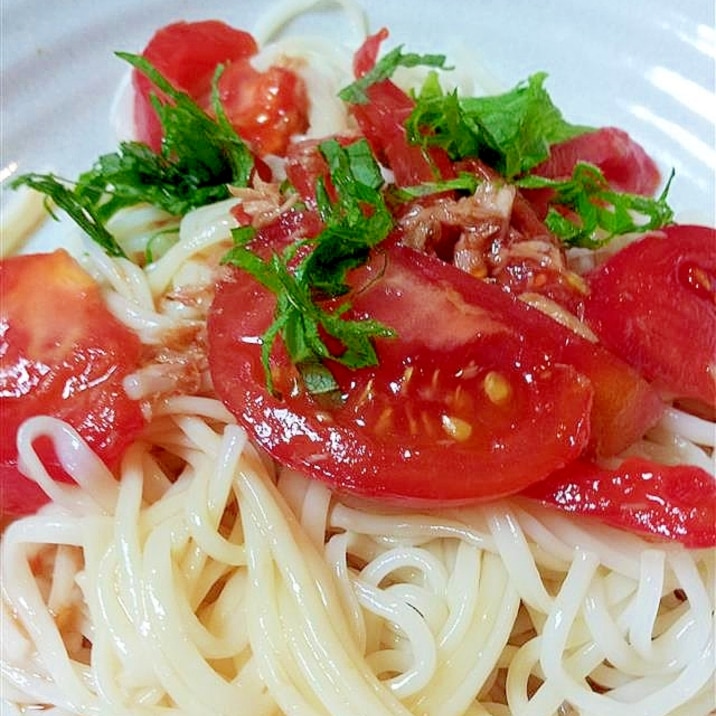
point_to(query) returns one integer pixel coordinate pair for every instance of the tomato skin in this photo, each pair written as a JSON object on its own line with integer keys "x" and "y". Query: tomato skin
{"x": 675, "y": 502}
{"x": 68, "y": 364}
{"x": 382, "y": 121}
{"x": 656, "y": 297}
{"x": 367, "y": 54}
{"x": 304, "y": 166}
{"x": 18, "y": 495}
{"x": 625, "y": 164}
{"x": 186, "y": 54}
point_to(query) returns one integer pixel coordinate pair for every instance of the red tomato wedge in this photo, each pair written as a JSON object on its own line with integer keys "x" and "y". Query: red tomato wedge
{"x": 466, "y": 410}
{"x": 472, "y": 401}
{"x": 654, "y": 304}
{"x": 186, "y": 54}
{"x": 624, "y": 405}
{"x": 62, "y": 353}
{"x": 676, "y": 502}
{"x": 382, "y": 122}
{"x": 265, "y": 108}
{"x": 367, "y": 54}
{"x": 625, "y": 164}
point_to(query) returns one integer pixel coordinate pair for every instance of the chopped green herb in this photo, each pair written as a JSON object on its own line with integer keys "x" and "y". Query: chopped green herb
{"x": 84, "y": 214}
{"x": 464, "y": 182}
{"x": 221, "y": 156}
{"x": 384, "y": 69}
{"x": 186, "y": 173}
{"x": 512, "y": 131}
{"x": 601, "y": 212}
{"x": 356, "y": 221}
{"x": 160, "y": 243}
{"x": 317, "y": 378}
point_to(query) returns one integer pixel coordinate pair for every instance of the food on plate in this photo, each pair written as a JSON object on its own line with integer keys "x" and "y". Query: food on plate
{"x": 385, "y": 414}
{"x": 64, "y": 354}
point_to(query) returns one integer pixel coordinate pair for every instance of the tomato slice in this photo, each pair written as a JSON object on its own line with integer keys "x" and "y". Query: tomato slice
{"x": 186, "y": 54}
{"x": 382, "y": 121}
{"x": 676, "y": 502}
{"x": 304, "y": 166}
{"x": 62, "y": 353}
{"x": 477, "y": 396}
{"x": 656, "y": 299}
{"x": 462, "y": 413}
{"x": 367, "y": 54}
{"x": 624, "y": 405}
{"x": 266, "y": 108}
{"x": 625, "y": 164}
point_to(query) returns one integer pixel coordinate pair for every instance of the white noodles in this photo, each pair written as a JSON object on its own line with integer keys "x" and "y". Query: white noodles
{"x": 206, "y": 580}
{"x": 211, "y": 594}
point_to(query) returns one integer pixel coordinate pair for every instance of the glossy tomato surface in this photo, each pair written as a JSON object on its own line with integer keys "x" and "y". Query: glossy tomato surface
{"x": 654, "y": 303}
{"x": 186, "y": 54}
{"x": 474, "y": 398}
{"x": 625, "y": 164}
{"x": 675, "y": 502}
{"x": 63, "y": 354}
{"x": 265, "y": 108}
{"x": 624, "y": 405}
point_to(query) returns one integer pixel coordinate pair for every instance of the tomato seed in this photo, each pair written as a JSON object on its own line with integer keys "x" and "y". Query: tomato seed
{"x": 497, "y": 387}
{"x": 456, "y": 428}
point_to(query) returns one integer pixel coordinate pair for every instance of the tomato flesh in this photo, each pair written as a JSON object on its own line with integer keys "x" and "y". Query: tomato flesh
{"x": 624, "y": 405}
{"x": 381, "y": 121}
{"x": 367, "y": 54}
{"x": 63, "y": 354}
{"x": 186, "y": 54}
{"x": 265, "y": 108}
{"x": 656, "y": 299}
{"x": 431, "y": 421}
{"x": 625, "y": 164}
{"x": 676, "y": 502}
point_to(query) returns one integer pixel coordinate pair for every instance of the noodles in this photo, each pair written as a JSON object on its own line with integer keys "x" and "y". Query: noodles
{"x": 210, "y": 595}
{"x": 19, "y": 219}
{"x": 204, "y": 579}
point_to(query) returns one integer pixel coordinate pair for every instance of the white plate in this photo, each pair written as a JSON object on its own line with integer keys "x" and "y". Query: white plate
{"x": 644, "y": 65}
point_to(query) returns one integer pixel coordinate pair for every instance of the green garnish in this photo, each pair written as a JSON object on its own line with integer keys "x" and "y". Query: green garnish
{"x": 84, "y": 214}
{"x": 186, "y": 173}
{"x": 464, "y": 182}
{"x": 602, "y": 213}
{"x": 358, "y": 220}
{"x": 355, "y": 221}
{"x": 201, "y": 156}
{"x": 355, "y": 93}
{"x": 512, "y": 132}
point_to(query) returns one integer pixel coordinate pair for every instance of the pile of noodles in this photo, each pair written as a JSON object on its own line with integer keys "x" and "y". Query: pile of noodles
{"x": 203, "y": 579}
